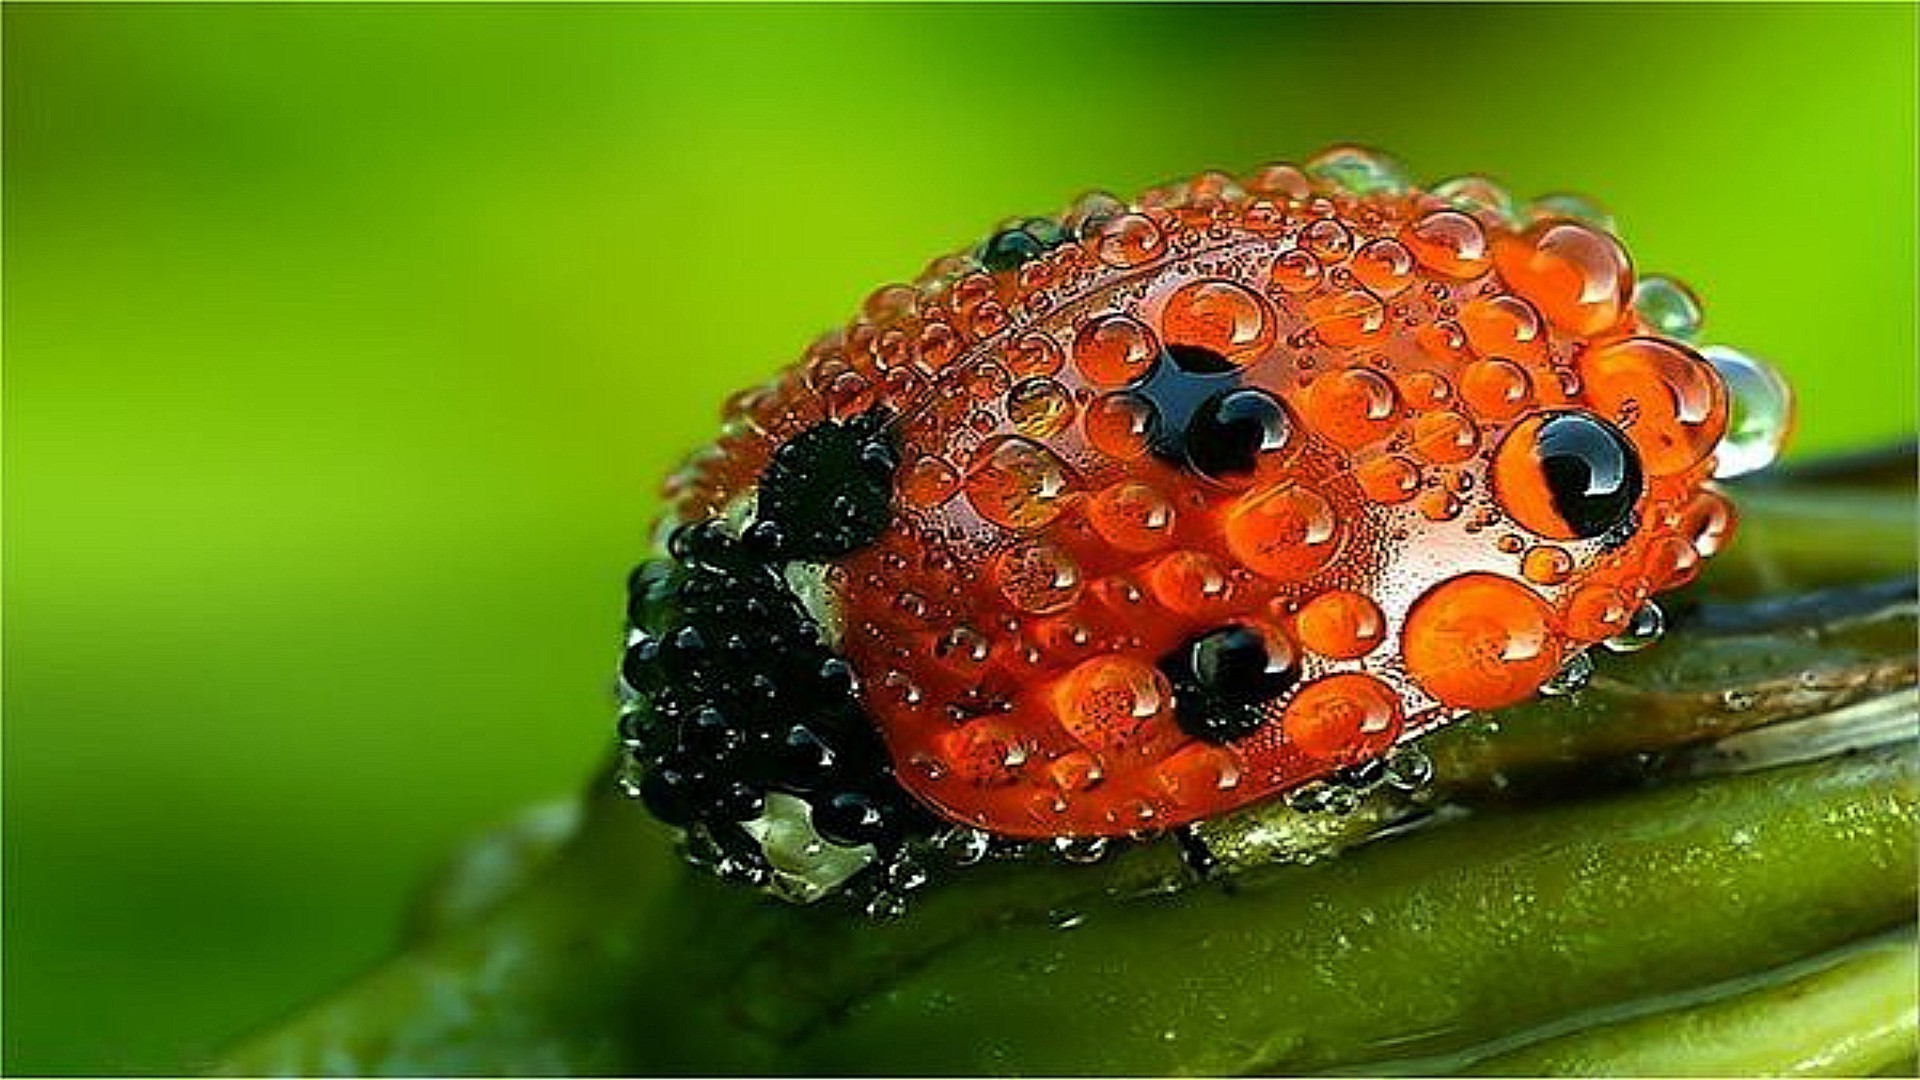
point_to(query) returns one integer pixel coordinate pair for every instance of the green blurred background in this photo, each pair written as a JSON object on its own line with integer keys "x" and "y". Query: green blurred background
{"x": 344, "y": 347}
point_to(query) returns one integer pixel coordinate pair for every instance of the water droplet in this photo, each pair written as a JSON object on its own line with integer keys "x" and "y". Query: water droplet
{"x": 1090, "y": 210}
{"x": 1480, "y": 641}
{"x": 1294, "y": 271}
{"x": 1018, "y": 484}
{"x": 1662, "y": 394}
{"x": 1113, "y": 350}
{"x": 1189, "y": 582}
{"x": 1577, "y": 276}
{"x": 928, "y": 482}
{"x": 1761, "y": 404}
{"x": 1388, "y": 480}
{"x": 1039, "y": 407}
{"x": 1352, "y": 317}
{"x": 1667, "y": 306}
{"x": 1279, "y": 180}
{"x": 1444, "y": 437}
{"x": 1341, "y": 624}
{"x": 1128, "y": 240}
{"x": 1112, "y": 703}
{"x": 1572, "y": 677}
{"x": 1358, "y": 170}
{"x": 1121, "y": 425}
{"x": 1496, "y": 389}
{"x": 1476, "y": 193}
{"x": 1504, "y": 326}
{"x": 1064, "y": 919}
{"x": 1342, "y": 718}
{"x": 1327, "y": 240}
{"x": 1352, "y": 406}
{"x": 1081, "y": 850}
{"x": 1286, "y": 532}
{"x": 1451, "y": 243}
{"x": 1643, "y": 628}
{"x": 1223, "y": 316}
{"x": 1037, "y": 578}
{"x": 1409, "y": 769}
{"x": 1547, "y": 565}
{"x": 1384, "y": 266}
{"x": 964, "y": 846}
{"x": 1132, "y": 516}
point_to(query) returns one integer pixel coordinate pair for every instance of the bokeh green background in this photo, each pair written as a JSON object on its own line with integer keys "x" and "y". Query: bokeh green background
{"x": 344, "y": 346}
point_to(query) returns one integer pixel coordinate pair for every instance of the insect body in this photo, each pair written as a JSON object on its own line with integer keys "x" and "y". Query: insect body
{"x": 1131, "y": 518}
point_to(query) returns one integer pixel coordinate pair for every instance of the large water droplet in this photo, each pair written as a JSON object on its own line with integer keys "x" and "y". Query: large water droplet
{"x": 1761, "y": 408}
{"x": 1358, "y": 170}
{"x": 1642, "y": 629}
{"x": 1668, "y": 306}
{"x": 1572, "y": 677}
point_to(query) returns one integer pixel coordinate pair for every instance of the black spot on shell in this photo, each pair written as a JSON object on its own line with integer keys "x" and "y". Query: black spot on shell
{"x": 1223, "y": 678}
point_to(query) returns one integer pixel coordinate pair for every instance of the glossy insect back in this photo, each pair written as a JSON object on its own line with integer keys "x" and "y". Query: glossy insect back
{"x": 1125, "y": 520}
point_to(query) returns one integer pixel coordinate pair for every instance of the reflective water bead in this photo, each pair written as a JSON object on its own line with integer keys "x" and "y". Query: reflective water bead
{"x": 1384, "y": 266}
{"x": 1019, "y": 484}
{"x": 1128, "y": 240}
{"x": 1578, "y": 277}
{"x": 1663, "y": 394}
{"x": 1343, "y": 718}
{"x": 1327, "y": 240}
{"x": 1444, "y": 437}
{"x": 1572, "y": 677}
{"x": 1505, "y": 327}
{"x": 1358, "y": 170}
{"x": 1113, "y": 350}
{"x": 1388, "y": 480}
{"x": 1037, "y": 578}
{"x": 1597, "y": 612}
{"x": 1294, "y": 271}
{"x": 1476, "y": 193}
{"x": 1480, "y": 641}
{"x": 1352, "y": 407}
{"x": 1132, "y": 516}
{"x": 1286, "y": 532}
{"x": 1643, "y": 628}
{"x": 1225, "y": 317}
{"x": 928, "y": 481}
{"x": 1547, "y": 565}
{"x": 1667, "y": 306}
{"x": 1113, "y": 703}
{"x": 1039, "y": 407}
{"x": 1761, "y": 412}
{"x": 1451, "y": 243}
{"x": 1341, "y": 624}
{"x": 1496, "y": 389}
{"x": 1121, "y": 425}
{"x": 1279, "y": 180}
{"x": 1191, "y": 583}
{"x": 1033, "y": 355}
{"x": 1346, "y": 318}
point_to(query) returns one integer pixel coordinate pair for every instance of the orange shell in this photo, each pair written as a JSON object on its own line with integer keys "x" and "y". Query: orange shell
{"x": 1406, "y": 335}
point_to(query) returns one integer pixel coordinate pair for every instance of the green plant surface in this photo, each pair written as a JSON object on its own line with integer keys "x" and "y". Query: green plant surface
{"x": 1854, "y": 1016}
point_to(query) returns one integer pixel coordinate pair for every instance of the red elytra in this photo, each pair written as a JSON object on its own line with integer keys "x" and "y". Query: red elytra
{"x": 1048, "y": 549}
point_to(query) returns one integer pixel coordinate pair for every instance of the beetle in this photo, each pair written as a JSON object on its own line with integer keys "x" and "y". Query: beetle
{"x": 1125, "y": 519}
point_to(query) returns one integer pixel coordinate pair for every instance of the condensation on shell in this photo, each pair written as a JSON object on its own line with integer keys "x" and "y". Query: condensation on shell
{"x": 1399, "y": 334}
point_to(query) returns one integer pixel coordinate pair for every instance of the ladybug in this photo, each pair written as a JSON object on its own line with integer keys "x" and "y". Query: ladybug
{"x": 1127, "y": 519}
